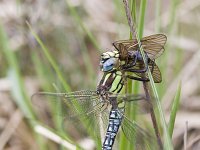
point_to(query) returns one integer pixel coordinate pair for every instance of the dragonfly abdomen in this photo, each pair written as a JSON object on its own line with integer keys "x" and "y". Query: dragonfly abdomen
{"x": 115, "y": 120}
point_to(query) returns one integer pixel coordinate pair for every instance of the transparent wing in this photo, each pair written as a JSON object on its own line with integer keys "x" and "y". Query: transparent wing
{"x": 153, "y": 45}
{"x": 155, "y": 71}
{"x": 93, "y": 124}
{"x": 79, "y": 113}
{"x": 79, "y": 101}
{"x": 129, "y": 97}
{"x": 138, "y": 101}
{"x": 123, "y": 45}
{"x": 135, "y": 100}
{"x": 134, "y": 133}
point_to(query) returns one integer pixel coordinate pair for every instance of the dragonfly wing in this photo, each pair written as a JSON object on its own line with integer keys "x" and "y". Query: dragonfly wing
{"x": 155, "y": 71}
{"x": 79, "y": 113}
{"x": 49, "y": 106}
{"x": 134, "y": 133}
{"x": 77, "y": 102}
{"x": 129, "y": 97}
{"x": 153, "y": 45}
{"x": 92, "y": 124}
{"x": 123, "y": 46}
{"x": 137, "y": 101}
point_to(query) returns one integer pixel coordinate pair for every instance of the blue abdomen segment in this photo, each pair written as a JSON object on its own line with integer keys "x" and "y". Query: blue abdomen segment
{"x": 115, "y": 120}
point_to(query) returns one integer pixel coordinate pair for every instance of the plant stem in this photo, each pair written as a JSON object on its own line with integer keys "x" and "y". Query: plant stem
{"x": 145, "y": 85}
{"x": 129, "y": 18}
{"x": 153, "y": 117}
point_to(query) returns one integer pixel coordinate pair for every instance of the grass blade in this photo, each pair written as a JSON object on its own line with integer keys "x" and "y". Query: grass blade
{"x": 53, "y": 136}
{"x": 143, "y": 6}
{"x": 18, "y": 89}
{"x": 50, "y": 59}
{"x": 145, "y": 85}
{"x": 133, "y": 86}
{"x": 174, "y": 109}
{"x": 81, "y": 24}
{"x": 168, "y": 143}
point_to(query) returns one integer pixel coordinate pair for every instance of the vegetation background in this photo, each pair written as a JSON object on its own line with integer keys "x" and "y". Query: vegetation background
{"x": 73, "y": 33}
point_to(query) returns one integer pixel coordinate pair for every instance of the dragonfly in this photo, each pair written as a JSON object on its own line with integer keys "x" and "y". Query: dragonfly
{"x": 84, "y": 108}
{"x": 127, "y": 57}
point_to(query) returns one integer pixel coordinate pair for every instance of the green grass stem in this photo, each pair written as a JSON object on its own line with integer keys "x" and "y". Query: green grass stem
{"x": 18, "y": 89}
{"x": 133, "y": 86}
{"x": 167, "y": 140}
{"x": 80, "y": 23}
{"x": 168, "y": 143}
{"x": 50, "y": 59}
{"x": 174, "y": 109}
{"x": 142, "y": 17}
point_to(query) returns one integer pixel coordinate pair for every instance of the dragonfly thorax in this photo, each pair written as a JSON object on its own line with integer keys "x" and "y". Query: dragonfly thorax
{"x": 109, "y": 61}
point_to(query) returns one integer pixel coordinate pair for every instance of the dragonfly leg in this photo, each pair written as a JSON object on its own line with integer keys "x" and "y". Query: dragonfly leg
{"x": 139, "y": 70}
{"x": 130, "y": 65}
{"x": 137, "y": 78}
{"x": 115, "y": 46}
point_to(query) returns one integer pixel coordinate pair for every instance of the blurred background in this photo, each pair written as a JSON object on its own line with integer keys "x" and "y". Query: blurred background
{"x": 74, "y": 33}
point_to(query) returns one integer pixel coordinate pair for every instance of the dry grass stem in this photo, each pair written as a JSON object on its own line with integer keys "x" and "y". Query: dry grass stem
{"x": 10, "y": 128}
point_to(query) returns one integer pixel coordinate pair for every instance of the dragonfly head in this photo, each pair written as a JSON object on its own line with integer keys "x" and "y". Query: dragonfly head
{"x": 109, "y": 61}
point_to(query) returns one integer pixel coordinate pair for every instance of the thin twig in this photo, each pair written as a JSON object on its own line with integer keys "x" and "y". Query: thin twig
{"x": 145, "y": 84}
{"x": 185, "y": 135}
{"x": 129, "y": 17}
{"x": 10, "y": 128}
{"x": 194, "y": 141}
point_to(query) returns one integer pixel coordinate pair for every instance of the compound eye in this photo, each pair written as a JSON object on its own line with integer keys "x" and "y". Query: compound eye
{"x": 109, "y": 64}
{"x": 107, "y": 68}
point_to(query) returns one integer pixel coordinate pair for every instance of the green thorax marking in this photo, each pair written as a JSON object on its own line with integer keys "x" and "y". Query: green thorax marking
{"x": 114, "y": 82}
